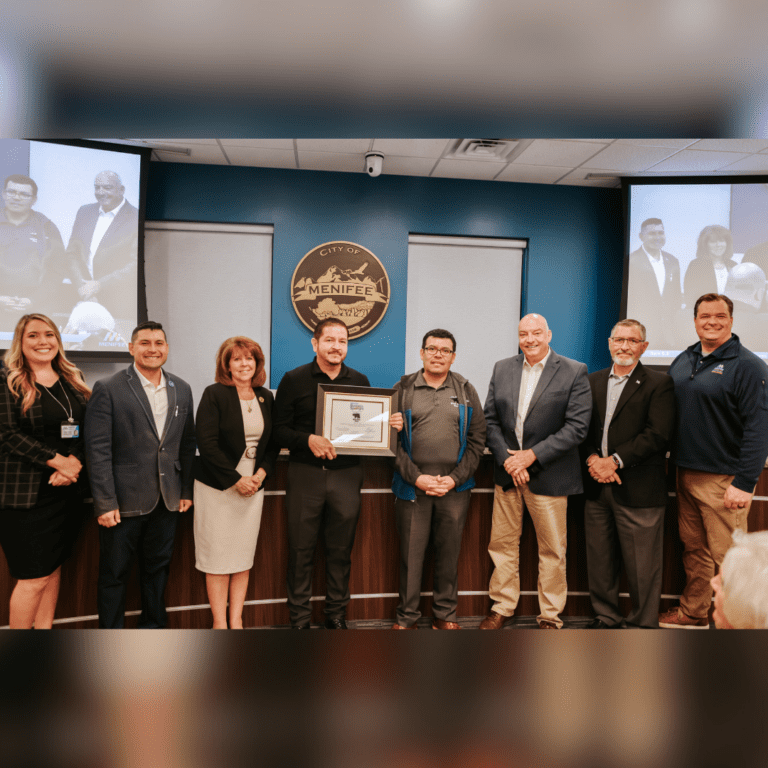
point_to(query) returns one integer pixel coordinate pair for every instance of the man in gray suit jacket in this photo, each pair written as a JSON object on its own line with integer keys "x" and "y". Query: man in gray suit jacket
{"x": 537, "y": 413}
{"x": 140, "y": 451}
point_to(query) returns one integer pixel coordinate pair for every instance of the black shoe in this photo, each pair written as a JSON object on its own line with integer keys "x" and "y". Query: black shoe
{"x": 336, "y": 623}
{"x": 300, "y": 626}
{"x": 600, "y": 624}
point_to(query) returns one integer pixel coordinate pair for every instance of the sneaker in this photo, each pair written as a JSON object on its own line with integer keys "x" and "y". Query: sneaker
{"x": 676, "y": 619}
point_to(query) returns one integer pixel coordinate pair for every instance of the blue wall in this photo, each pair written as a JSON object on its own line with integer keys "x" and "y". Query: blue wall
{"x": 575, "y": 239}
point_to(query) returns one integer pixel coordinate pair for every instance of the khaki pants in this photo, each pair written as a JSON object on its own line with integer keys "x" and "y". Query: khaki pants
{"x": 706, "y": 527}
{"x": 549, "y": 514}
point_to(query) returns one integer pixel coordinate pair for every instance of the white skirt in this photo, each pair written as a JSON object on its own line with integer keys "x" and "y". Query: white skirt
{"x": 226, "y": 526}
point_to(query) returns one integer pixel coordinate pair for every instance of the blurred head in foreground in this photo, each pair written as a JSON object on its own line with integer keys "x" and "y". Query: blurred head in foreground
{"x": 741, "y": 587}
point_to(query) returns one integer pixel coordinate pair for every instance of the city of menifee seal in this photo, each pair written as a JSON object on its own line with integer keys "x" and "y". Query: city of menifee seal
{"x": 341, "y": 280}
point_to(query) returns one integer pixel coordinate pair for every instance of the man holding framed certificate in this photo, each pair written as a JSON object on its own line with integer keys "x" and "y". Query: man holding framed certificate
{"x": 439, "y": 449}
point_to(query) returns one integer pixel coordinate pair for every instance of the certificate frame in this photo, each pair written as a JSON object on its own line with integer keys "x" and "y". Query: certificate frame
{"x": 356, "y": 419}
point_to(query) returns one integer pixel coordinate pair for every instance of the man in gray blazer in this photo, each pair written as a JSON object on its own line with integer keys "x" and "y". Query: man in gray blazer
{"x": 140, "y": 450}
{"x": 537, "y": 413}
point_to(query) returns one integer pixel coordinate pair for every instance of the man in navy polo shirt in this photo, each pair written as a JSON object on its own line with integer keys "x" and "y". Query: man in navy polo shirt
{"x": 719, "y": 449}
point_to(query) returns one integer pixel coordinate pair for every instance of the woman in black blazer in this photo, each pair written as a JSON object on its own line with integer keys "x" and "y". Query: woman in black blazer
{"x": 708, "y": 272}
{"x": 234, "y": 428}
{"x": 42, "y": 403}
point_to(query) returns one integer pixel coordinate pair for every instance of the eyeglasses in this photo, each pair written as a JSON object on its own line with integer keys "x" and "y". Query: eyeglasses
{"x": 620, "y": 342}
{"x": 432, "y": 351}
{"x": 19, "y": 195}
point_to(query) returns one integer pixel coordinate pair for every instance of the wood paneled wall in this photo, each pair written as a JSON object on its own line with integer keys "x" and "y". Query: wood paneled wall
{"x": 374, "y": 562}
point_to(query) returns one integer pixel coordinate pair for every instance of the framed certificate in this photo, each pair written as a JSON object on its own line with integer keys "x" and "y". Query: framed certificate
{"x": 356, "y": 419}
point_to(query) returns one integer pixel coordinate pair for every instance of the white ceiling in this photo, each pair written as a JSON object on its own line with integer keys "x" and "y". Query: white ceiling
{"x": 581, "y": 162}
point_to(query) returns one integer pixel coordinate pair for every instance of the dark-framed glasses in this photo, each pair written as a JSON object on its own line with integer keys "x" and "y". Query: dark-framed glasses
{"x": 620, "y": 341}
{"x": 432, "y": 351}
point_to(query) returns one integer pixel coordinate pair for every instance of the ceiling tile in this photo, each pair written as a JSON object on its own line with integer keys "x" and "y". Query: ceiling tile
{"x": 732, "y": 145}
{"x": 751, "y": 163}
{"x": 259, "y": 143}
{"x": 532, "y": 174}
{"x": 672, "y": 143}
{"x": 466, "y": 169}
{"x": 261, "y": 158}
{"x": 343, "y": 146}
{"x": 410, "y": 166}
{"x": 694, "y": 161}
{"x": 211, "y": 155}
{"x": 627, "y": 158}
{"x": 557, "y": 152}
{"x": 412, "y": 147}
{"x": 331, "y": 161}
{"x": 185, "y": 142}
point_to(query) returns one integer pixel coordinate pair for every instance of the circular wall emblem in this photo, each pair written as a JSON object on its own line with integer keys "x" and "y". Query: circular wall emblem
{"x": 342, "y": 280}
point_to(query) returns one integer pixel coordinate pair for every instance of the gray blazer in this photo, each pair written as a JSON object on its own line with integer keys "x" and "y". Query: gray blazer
{"x": 556, "y": 423}
{"x": 129, "y": 464}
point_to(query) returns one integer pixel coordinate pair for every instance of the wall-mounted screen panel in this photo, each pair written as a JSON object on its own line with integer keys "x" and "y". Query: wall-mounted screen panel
{"x": 688, "y": 237}
{"x": 70, "y": 230}
{"x": 472, "y": 287}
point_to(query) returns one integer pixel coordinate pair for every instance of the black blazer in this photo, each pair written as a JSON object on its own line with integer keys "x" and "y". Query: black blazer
{"x": 23, "y": 454}
{"x": 221, "y": 436}
{"x": 639, "y": 432}
{"x": 700, "y": 278}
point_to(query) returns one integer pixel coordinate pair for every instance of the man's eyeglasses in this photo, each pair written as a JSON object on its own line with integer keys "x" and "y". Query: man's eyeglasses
{"x": 620, "y": 342}
{"x": 19, "y": 195}
{"x": 432, "y": 351}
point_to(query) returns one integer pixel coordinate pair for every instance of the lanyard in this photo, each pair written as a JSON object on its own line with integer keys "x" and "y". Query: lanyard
{"x": 69, "y": 415}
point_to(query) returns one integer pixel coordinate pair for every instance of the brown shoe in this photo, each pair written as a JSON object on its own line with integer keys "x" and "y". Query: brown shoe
{"x": 397, "y": 626}
{"x": 548, "y": 625}
{"x": 674, "y": 618}
{"x": 442, "y": 624}
{"x": 493, "y": 621}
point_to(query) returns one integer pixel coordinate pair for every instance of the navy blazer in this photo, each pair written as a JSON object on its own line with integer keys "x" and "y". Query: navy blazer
{"x": 221, "y": 436}
{"x": 640, "y": 432}
{"x": 555, "y": 424}
{"x": 130, "y": 466}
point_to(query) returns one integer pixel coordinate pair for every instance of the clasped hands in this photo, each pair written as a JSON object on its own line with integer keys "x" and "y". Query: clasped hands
{"x": 247, "y": 486}
{"x": 517, "y": 464}
{"x": 89, "y": 288}
{"x": 603, "y": 470}
{"x": 435, "y": 485}
{"x": 67, "y": 469}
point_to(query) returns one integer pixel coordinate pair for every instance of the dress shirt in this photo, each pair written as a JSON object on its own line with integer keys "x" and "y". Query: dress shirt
{"x": 102, "y": 225}
{"x": 616, "y": 386}
{"x": 658, "y": 268}
{"x": 721, "y": 275}
{"x": 528, "y": 381}
{"x": 158, "y": 399}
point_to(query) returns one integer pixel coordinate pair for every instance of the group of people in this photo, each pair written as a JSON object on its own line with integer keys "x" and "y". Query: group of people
{"x": 89, "y": 283}
{"x": 667, "y": 301}
{"x": 552, "y": 429}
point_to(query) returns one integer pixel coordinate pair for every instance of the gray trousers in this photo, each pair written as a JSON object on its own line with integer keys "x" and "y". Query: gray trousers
{"x": 634, "y": 535}
{"x": 443, "y": 517}
{"x": 318, "y": 498}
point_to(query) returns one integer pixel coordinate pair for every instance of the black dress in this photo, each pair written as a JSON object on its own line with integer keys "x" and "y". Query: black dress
{"x": 37, "y": 541}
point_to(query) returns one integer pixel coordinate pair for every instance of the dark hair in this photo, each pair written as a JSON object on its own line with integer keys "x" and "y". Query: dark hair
{"x": 323, "y": 324}
{"x": 224, "y": 357}
{"x": 714, "y": 231}
{"x": 438, "y": 333}
{"x": 20, "y": 178}
{"x": 651, "y": 223}
{"x": 713, "y": 297}
{"x": 150, "y": 325}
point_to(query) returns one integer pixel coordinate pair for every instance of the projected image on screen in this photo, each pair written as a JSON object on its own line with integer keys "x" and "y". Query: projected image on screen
{"x": 690, "y": 239}
{"x": 69, "y": 231}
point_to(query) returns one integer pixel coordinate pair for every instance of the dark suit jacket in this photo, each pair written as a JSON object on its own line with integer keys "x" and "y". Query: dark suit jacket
{"x": 129, "y": 464}
{"x": 639, "y": 432}
{"x": 699, "y": 279}
{"x": 115, "y": 263}
{"x": 221, "y": 436}
{"x": 23, "y": 454}
{"x": 555, "y": 424}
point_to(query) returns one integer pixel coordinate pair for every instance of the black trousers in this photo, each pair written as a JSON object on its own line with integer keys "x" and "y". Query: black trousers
{"x": 442, "y": 517}
{"x": 632, "y": 534}
{"x": 327, "y": 499}
{"x": 152, "y": 537}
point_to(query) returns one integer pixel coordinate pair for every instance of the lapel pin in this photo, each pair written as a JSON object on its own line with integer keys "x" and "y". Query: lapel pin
{"x": 170, "y": 383}
{"x": 261, "y": 399}
{"x": 637, "y": 381}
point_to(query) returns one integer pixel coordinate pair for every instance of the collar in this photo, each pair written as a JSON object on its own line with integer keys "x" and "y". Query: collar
{"x": 729, "y": 349}
{"x": 613, "y": 375}
{"x": 145, "y": 382}
{"x": 650, "y": 256}
{"x": 421, "y": 381}
{"x": 541, "y": 362}
{"x": 318, "y": 371}
{"x": 114, "y": 211}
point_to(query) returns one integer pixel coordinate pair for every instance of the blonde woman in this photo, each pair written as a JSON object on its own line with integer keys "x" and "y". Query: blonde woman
{"x": 234, "y": 427}
{"x": 42, "y": 405}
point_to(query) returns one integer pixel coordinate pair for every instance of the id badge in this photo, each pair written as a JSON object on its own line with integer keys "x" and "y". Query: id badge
{"x": 70, "y": 429}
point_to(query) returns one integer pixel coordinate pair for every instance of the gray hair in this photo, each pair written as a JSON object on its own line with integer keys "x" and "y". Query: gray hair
{"x": 629, "y": 323}
{"x": 744, "y": 574}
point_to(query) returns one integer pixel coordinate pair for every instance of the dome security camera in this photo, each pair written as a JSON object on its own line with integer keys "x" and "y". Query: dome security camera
{"x": 373, "y": 163}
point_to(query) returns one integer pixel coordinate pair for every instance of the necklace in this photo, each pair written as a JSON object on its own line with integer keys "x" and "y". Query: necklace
{"x": 70, "y": 413}
{"x": 249, "y": 400}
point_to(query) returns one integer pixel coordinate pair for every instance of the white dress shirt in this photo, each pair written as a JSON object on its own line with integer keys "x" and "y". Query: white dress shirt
{"x": 158, "y": 399}
{"x": 102, "y": 225}
{"x": 528, "y": 382}
{"x": 658, "y": 268}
